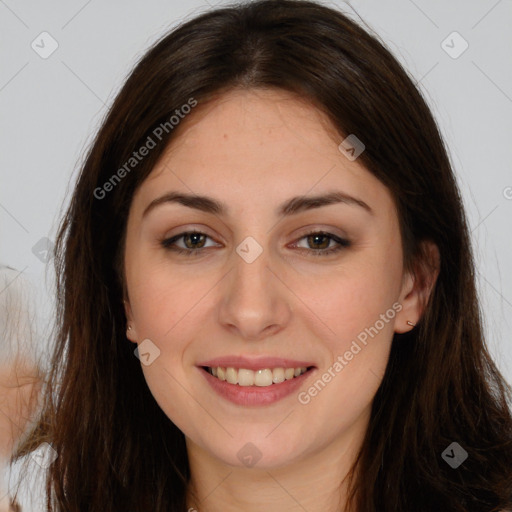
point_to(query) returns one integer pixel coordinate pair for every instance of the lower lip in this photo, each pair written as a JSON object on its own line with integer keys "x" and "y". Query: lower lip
{"x": 255, "y": 395}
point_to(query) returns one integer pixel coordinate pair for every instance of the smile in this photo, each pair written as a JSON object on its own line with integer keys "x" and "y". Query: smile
{"x": 263, "y": 377}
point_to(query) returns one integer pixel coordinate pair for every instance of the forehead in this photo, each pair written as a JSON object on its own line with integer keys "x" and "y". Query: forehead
{"x": 259, "y": 147}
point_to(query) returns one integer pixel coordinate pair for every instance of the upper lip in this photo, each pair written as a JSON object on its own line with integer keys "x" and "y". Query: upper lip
{"x": 255, "y": 363}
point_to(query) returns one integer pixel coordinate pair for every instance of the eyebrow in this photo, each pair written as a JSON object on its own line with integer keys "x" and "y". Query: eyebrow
{"x": 290, "y": 207}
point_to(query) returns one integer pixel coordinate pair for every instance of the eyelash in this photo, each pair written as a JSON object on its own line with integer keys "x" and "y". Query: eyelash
{"x": 342, "y": 244}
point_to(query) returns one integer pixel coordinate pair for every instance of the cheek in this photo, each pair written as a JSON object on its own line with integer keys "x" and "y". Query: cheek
{"x": 169, "y": 307}
{"x": 354, "y": 315}
{"x": 164, "y": 306}
{"x": 163, "y": 301}
{"x": 352, "y": 299}
{"x": 357, "y": 343}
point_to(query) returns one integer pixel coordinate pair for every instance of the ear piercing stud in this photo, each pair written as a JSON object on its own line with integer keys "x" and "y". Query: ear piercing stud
{"x": 410, "y": 323}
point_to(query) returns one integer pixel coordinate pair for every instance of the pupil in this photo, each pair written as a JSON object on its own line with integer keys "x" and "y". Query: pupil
{"x": 195, "y": 237}
{"x": 316, "y": 237}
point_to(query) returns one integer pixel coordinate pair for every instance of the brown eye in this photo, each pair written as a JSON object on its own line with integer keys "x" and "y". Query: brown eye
{"x": 194, "y": 243}
{"x": 194, "y": 240}
{"x": 319, "y": 243}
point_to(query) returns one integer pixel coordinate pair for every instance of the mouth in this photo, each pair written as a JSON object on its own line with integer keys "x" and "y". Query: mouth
{"x": 263, "y": 377}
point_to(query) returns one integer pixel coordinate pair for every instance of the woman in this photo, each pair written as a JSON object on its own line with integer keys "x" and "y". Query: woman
{"x": 268, "y": 216}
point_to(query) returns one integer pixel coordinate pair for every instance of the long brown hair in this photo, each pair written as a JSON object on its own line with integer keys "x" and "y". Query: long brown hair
{"x": 116, "y": 449}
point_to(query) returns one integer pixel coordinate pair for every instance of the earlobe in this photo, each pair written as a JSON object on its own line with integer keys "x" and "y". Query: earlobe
{"x": 130, "y": 329}
{"x": 130, "y": 334}
{"x": 409, "y": 301}
{"x": 417, "y": 288}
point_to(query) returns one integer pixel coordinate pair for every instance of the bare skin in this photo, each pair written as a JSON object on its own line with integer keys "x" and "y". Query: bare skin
{"x": 19, "y": 389}
{"x": 20, "y": 385}
{"x": 252, "y": 151}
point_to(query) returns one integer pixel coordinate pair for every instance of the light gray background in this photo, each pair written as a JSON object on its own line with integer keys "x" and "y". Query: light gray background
{"x": 50, "y": 109}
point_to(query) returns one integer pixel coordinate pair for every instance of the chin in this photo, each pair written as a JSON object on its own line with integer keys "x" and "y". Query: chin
{"x": 256, "y": 452}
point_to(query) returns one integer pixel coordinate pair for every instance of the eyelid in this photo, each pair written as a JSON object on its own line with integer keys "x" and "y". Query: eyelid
{"x": 190, "y": 228}
{"x": 320, "y": 228}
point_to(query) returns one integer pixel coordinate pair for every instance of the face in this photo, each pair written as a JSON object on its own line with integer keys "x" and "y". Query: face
{"x": 276, "y": 287}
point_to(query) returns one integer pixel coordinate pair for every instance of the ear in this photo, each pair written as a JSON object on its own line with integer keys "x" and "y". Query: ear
{"x": 131, "y": 331}
{"x": 417, "y": 286}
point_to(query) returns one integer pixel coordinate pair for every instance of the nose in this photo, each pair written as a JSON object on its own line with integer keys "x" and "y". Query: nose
{"x": 256, "y": 302}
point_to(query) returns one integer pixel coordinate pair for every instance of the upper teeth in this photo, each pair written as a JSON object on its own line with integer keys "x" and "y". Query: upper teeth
{"x": 263, "y": 377}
